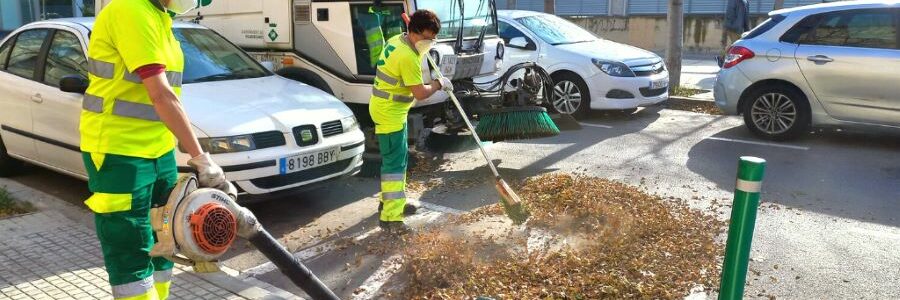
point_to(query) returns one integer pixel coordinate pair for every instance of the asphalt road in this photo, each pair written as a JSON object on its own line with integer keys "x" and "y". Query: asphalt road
{"x": 828, "y": 226}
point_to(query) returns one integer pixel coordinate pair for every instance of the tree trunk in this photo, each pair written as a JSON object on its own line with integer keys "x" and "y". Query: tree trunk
{"x": 779, "y": 4}
{"x": 676, "y": 41}
{"x": 550, "y": 6}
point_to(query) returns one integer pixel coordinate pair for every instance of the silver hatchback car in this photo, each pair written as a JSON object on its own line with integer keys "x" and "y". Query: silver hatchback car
{"x": 835, "y": 64}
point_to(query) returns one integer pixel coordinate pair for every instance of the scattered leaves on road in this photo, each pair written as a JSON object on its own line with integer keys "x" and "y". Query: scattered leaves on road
{"x": 588, "y": 238}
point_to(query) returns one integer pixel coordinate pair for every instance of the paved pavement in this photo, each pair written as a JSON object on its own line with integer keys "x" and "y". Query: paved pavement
{"x": 46, "y": 255}
{"x": 827, "y": 229}
{"x": 699, "y": 72}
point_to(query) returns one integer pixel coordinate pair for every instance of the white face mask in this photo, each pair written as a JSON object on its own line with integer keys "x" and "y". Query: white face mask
{"x": 180, "y": 7}
{"x": 424, "y": 45}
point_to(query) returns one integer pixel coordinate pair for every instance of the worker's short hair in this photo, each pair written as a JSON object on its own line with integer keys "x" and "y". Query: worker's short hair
{"x": 423, "y": 20}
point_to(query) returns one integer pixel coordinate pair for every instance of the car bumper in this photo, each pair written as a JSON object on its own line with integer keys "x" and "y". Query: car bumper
{"x": 257, "y": 172}
{"x": 730, "y": 85}
{"x": 601, "y": 86}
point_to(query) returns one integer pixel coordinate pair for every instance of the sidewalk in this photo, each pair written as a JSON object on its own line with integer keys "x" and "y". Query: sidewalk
{"x": 700, "y": 73}
{"x": 47, "y": 255}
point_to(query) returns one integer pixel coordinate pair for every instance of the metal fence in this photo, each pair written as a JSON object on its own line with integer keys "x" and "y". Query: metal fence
{"x": 645, "y": 7}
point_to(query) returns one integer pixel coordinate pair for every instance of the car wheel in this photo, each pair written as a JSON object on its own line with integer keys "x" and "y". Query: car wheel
{"x": 8, "y": 165}
{"x": 776, "y": 112}
{"x": 570, "y": 95}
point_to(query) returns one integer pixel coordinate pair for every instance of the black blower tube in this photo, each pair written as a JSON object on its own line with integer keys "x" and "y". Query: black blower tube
{"x": 290, "y": 266}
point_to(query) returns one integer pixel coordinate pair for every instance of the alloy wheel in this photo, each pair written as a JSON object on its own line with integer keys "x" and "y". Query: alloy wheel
{"x": 566, "y": 97}
{"x": 773, "y": 113}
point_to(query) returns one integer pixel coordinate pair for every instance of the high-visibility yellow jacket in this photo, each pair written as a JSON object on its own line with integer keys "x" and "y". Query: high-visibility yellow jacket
{"x": 399, "y": 68}
{"x": 117, "y": 114}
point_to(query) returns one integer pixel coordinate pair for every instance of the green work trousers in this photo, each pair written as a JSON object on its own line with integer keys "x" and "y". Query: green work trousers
{"x": 394, "y": 152}
{"x": 124, "y": 189}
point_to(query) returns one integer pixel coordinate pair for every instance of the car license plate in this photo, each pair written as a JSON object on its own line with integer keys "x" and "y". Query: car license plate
{"x": 306, "y": 161}
{"x": 658, "y": 84}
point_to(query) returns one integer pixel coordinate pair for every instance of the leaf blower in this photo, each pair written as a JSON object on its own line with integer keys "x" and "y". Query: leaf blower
{"x": 198, "y": 225}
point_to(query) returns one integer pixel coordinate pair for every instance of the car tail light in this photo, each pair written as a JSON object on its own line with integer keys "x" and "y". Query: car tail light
{"x": 737, "y": 54}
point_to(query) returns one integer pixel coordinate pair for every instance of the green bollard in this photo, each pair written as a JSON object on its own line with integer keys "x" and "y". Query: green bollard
{"x": 740, "y": 231}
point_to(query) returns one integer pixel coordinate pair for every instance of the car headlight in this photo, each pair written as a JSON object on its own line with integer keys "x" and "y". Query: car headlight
{"x": 229, "y": 144}
{"x": 613, "y": 68}
{"x": 349, "y": 123}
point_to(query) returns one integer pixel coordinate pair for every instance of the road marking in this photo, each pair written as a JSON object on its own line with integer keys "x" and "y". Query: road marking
{"x": 441, "y": 208}
{"x": 876, "y": 233}
{"x": 758, "y": 143}
{"x": 373, "y": 284}
{"x": 595, "y": 125}
{"x": 318, "y": 248}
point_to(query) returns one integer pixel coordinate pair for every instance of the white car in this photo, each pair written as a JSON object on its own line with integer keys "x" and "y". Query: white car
{"x": 589, "y": 72}
{"x": 268, "y": 133}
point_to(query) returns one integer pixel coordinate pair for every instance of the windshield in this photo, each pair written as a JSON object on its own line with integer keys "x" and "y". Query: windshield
{"x": 209, "y": 57}
{"x": 555, "y": 30}
{"x": 478, "y": 14}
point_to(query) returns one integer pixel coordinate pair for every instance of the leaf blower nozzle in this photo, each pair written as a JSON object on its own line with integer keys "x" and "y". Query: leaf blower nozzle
{"x": 198, "y": 225}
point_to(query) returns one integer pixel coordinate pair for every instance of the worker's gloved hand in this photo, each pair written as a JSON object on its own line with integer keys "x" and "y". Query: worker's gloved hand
{"x": 209, "y": 174}
{"x": 446, "y": 84}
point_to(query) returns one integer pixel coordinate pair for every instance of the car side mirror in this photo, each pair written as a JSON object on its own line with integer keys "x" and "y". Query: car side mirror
{"x": 522, "y": 43}
{"x": 73, "y": 84}
{"x": 268, "y": 65}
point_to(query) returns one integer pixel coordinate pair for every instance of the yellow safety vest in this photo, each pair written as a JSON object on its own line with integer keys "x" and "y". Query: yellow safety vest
{"x": 399, "y": 68}
{"x": 117, "y": 115}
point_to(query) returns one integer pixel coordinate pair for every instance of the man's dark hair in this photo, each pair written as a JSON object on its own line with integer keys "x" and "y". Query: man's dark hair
{"x": 423, "y": 20}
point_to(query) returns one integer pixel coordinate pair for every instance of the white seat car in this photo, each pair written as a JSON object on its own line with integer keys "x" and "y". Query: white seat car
{"x": 833, "y": 64}
{"x": 589, "y": 72}
{"x": 268, "y": 133}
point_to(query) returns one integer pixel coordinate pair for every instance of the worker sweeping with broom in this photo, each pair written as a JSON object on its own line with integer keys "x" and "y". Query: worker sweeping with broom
{"x": 398, "y": 84}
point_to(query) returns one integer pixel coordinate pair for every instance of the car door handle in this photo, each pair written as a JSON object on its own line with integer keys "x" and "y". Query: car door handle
{"x": 819, "y": 59}
{"x": 37, "y": 98}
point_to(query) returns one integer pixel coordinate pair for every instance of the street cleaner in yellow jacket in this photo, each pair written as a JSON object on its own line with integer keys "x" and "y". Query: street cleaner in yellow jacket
{"x": 398, "y": 84}
{"x": 131, "y": 117}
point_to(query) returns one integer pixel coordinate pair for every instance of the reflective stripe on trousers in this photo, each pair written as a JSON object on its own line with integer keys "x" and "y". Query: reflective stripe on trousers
{"x": 393, "y": 196}
{"x": 134, "y": 290}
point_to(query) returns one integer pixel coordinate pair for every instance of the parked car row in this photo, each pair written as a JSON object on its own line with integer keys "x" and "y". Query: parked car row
{"x": 268, "y": 133}
{"x": 822, "y": 65}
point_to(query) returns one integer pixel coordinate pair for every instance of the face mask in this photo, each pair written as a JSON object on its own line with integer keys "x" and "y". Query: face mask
{"x": 424, "y": 45}
{"x": 180, "y": 7}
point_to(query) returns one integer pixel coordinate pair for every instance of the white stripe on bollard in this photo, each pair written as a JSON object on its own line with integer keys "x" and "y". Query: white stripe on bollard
{"x": 748, "y": 186}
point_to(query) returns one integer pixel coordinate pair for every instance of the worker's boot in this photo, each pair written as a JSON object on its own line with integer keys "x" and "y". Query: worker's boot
{"x": 395, "y": 227}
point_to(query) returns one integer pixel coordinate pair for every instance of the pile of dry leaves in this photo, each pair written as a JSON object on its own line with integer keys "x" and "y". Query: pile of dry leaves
{"x": 588, "y": 238}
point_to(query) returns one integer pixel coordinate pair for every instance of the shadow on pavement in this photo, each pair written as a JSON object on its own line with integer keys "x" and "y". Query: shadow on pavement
{"x": 848, "y": 175}
{"x": 579, "y": 140}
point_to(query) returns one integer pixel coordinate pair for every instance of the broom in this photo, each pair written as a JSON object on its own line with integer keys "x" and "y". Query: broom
{"x": 511, "y": 202}
{"x": 530, "y": 122}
